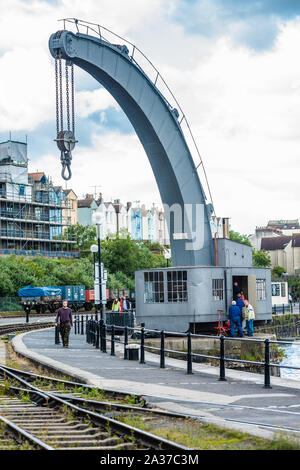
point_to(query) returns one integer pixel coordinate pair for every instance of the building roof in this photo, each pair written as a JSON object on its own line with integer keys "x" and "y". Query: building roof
{"x": 36, "y": 176}
{"x": 85, "y": 202}
{"x": 287, "y": 224}
{"x": 68, "y": 191}
{"x": 275, "y": 243}
{"x": 296, "y": 240}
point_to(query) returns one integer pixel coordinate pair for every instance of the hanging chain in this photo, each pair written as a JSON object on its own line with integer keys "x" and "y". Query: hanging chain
{"x": 67, "y": 97}
{"x": 57, "y": 97}
{"x": 73, "y": 99}
{"x": 65, "y": 139}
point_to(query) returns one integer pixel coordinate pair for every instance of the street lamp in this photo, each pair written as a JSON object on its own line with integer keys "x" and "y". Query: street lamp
{"x": 94, "y": 250}
{"x": 167, "y": 255}
{"x": 98, "y": 218}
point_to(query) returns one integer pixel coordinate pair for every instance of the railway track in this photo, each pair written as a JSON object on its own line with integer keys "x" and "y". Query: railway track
{"x": 22, "y": 327}
{"x": 53, "y": 421}
{"x": 78, "y": 394}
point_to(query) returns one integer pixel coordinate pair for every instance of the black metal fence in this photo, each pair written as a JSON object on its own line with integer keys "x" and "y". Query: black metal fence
{"x": 99, "y": 334}
{"x": 280, "y": 309}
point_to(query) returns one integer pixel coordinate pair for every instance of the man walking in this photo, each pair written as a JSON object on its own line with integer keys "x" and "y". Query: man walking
{"x": 65, "y": 322}
{"x": 235, "y": 319}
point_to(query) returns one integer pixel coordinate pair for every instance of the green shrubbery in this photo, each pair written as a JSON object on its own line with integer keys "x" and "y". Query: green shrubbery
{"x": 121, "y": 257}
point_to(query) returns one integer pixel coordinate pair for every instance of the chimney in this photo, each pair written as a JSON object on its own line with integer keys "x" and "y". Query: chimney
{"x": 225, "y": 224}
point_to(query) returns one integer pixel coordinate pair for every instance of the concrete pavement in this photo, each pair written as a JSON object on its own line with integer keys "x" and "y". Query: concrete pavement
{"x": 239, "y": 403}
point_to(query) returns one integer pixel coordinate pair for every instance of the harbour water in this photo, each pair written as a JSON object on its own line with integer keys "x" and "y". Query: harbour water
{"x": 292, "y": 358}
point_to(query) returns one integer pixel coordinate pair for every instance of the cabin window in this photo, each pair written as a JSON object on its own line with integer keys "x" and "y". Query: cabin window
{"x": 154, "y": 287}
{"x": 261, "y": 289}
{"x": 218, "y": 289}
{"x": 177, "y": 286}
{"x": 283, "y": 290}
{"x": 276, "y": 290}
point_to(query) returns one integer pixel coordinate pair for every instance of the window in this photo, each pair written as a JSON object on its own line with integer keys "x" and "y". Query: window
{"x": 22, "y": 190}
{"x": 177, "y": 286}
{"x": 260, "y": 289}
{"x": 283, "y": 290}
{"x": 154, "y": 287}
{"x": 276, "y": 290}
{"x": 218, "y": 289}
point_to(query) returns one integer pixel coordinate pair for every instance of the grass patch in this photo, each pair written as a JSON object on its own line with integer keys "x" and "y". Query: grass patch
{"x": 201, "y": 436}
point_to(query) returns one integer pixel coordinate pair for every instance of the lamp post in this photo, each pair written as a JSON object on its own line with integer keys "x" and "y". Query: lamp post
{"x": 94, "y": 250}
{"x": 98, "y": 218}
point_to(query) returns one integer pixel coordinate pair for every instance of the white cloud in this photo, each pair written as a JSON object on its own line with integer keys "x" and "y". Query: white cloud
{"x": 243, "y": 105}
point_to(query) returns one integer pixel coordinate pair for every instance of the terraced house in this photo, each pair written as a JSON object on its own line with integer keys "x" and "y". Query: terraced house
{"x": 31, "y": 208}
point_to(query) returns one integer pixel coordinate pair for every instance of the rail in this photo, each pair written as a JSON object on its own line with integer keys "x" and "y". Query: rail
{"x": 136, "y": 56}
{"x": 97, "y": 334}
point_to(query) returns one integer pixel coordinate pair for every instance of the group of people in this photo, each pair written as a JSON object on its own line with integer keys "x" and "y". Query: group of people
{"x": 121, "y": 305}
{"x": 240, "y": 310}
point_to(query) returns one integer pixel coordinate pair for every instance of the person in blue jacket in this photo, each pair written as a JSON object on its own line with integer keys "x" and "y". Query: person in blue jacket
{"x": 240, "y": 303}
{"x": 235, "y": 317}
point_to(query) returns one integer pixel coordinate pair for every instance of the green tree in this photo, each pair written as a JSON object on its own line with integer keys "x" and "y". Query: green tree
{"x": 261, "y": 259}
{"x": 277, "y": 271}
{"x": 237, "y": 237}
{"x": 84, "y": 235}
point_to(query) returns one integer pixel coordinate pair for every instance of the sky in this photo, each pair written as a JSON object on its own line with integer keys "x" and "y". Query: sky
{"x": 232, "y": 65}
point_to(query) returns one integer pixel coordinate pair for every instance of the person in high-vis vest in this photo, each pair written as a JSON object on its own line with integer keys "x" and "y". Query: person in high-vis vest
{"x": 116, "y": 306}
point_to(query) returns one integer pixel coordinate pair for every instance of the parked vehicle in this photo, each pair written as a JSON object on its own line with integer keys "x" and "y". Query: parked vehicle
{"x": 48, "y": 298}
{"x": 40, "y": 298}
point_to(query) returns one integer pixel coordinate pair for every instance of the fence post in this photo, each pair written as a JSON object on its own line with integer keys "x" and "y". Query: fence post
{"x": 98, "y": 335}
{"x": 189, "y": 354}
{"x": 101, "y": 335}
{"x": 142, "y": 360}
{"x": 222, "y": 359}
{"x": 125, "y": 342}
{"x": 57, "y": 335}
{"x": 162, "y": 349}
{"x": 87, "y": 331}
{"x": 267, "y": 364}
{"x": 112, "y": 348}
{"x": 94, "y": 333}
{"x": 104, "y": 338}
{"x": 82, "y": 325}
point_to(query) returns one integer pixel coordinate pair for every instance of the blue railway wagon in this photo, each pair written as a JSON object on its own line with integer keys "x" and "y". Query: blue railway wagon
{"x": 75, "y": 295}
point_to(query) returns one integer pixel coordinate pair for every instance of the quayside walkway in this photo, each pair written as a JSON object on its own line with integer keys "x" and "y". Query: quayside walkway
{"x": 239, "y": 403}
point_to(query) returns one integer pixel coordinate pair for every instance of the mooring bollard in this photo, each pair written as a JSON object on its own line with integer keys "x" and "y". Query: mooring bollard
{"x": 57, "y": 335}
{"x": 112, "y": 347}
{"x": 142, "y": 359}
{"x": 189, "y": 354}
{"x": 162, "y": 349}
{"x": 125, "y": 342}
{"x": 267, "y": 364}
{"x": 222, "y": 359}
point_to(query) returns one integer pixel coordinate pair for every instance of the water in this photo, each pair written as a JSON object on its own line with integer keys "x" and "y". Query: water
{"x": 292, "y": 358}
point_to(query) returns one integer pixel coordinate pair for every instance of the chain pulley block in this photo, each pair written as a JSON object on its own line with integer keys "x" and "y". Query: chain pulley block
{"x": 65, "y": 138}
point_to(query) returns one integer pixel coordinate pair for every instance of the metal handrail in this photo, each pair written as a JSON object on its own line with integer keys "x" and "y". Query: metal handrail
{"x": 96, "y": 29}
{"x": 97, "y": 335}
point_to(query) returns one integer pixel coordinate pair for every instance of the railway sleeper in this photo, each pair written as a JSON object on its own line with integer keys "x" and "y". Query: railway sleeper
{"x": 125, "y": 446}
